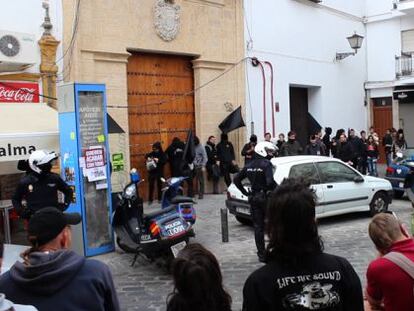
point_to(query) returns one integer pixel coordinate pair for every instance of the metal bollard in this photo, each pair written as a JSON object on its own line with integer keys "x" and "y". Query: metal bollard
{"x": 224, "y": 225}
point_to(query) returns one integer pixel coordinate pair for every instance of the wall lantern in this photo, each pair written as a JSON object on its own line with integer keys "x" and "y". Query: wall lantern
{"x": 355, "y": 41}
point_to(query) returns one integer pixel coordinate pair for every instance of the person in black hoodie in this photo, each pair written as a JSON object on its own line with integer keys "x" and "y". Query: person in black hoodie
{"x": 357, "y": 148}
{"x": 226, "y": 157}
{"x": 363, "y": 165}
{"x": 52, "y": 277}
{"x": 344, "y": 150}
{"x": 387, "y": 143}
{"x": 298, "y": 274}
{"x": 335, "y": 143}
{"x": 292, "y": 147}
{"x": 156, "y": 170}
{"x": 326, "y": 139}
{"x": 175, "y": 153}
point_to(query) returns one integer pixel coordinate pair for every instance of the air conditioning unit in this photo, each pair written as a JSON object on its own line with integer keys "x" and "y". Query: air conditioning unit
{"x": 17, "y": 51}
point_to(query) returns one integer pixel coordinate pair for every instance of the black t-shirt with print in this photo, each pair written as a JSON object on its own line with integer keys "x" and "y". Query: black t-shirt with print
{"x": 322, "y": 282}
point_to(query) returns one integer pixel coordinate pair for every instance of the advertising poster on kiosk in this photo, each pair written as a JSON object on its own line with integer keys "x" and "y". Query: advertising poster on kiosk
{"x": 95, "y": 180}
{"x": 85, "y": 163}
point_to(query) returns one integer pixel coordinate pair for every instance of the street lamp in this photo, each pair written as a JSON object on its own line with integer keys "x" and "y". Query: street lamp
{"x": 355, "y": 41}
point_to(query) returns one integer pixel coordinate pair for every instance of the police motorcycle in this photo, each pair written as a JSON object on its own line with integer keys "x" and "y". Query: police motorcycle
{"x": 172, "y": 198}
{"x": 155, "y": 235}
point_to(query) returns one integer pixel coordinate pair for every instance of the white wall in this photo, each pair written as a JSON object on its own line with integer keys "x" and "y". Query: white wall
{"x": 383, "y": 44}
{"x": 27, "y": 16}
{"x": 377, "y": 7}
{"x": 301, "y": 41}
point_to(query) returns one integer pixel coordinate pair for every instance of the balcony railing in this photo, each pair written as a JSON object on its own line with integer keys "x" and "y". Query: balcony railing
{"x": 405, "y": 6}
{"x": 404, "y": 64}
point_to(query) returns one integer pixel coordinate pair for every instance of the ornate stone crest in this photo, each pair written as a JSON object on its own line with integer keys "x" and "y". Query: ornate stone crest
{"x": 167, "y": 19}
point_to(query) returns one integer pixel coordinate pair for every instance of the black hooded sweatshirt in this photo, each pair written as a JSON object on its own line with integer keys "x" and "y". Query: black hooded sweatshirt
{"x": 60, "y": 280}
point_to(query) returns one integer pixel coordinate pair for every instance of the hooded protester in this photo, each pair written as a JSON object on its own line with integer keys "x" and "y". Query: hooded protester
{"x": 175, "y": 153}
{"x": 52, "y": 277}
{"x": 39, "y": 187}
{"x": 326, "y": 139}
{"x": 226, "y": 157}
{"x": 248, "y": 149}
{"x": 292, "y": 146}
{"x": 156, "y": 160}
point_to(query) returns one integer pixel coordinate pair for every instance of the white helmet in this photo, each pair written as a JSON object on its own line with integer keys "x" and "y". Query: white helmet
{"x": 265, "y": 149}
{"x": 39, "y": 158}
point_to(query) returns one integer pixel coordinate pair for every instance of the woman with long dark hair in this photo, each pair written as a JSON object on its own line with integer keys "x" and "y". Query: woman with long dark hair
{"x": 298, "y": 274}
{"x": 372, "y": 156}
{"x": 198, "y": 283}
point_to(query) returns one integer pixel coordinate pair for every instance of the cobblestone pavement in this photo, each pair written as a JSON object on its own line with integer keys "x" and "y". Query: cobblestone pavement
{"x": 146, "y": 286}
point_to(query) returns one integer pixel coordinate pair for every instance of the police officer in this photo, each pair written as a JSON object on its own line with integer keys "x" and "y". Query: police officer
{"x": 260, "y": 174}
{"x": 39, "y": 187}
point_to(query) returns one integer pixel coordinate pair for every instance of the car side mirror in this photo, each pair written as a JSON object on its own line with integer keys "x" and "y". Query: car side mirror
{"x": 358, "y": 179}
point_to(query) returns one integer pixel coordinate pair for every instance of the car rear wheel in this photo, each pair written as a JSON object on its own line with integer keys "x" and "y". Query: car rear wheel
{"x": 398, "y": 194}
{"x": 379, "y": 203}
{"x": 244, "y": 221}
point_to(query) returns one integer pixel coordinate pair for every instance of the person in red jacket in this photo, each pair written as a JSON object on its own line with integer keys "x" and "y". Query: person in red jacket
{"x": 389, "y": 287}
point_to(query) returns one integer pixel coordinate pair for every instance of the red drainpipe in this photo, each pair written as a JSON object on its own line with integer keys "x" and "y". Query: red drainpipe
{"x": 255, "y": 63}
{"x": 271, "y": 96}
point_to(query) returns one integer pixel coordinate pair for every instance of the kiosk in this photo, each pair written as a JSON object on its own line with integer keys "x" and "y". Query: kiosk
{"x": 85, "y": 164}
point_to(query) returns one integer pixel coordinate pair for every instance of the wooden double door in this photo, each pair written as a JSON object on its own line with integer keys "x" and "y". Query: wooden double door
{"x": 160, "y": 104}
{"x": 382, "y": 122}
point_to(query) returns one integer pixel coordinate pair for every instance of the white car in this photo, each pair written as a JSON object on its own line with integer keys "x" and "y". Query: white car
{"x": 339, "y": 188}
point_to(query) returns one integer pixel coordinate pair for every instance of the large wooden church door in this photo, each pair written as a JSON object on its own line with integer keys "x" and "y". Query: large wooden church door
{"x": 160, "y": 104}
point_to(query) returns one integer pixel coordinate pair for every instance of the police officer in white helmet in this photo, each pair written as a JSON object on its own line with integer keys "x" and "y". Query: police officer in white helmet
{"x": 39, "y": 187}
{"x": 259, "y": 172}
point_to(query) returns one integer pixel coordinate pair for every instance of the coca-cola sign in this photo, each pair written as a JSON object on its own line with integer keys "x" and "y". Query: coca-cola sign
{"x": 19, "y": 92}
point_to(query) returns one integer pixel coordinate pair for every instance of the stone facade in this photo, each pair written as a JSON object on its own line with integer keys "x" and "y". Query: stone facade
{"x": 210, "y": 30}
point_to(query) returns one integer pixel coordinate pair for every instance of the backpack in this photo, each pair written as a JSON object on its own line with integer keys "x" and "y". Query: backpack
{"x": 406, "y": 264}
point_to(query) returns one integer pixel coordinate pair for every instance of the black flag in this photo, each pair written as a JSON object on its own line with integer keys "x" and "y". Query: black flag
{"x": 189, "y": 150}
{"x": 233, "y": 121}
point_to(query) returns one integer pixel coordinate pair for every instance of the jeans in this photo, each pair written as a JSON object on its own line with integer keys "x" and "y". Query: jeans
{"x": 388, "y": 158}
{"x": 372, "y": 166}
{"x": 199, "y": 173}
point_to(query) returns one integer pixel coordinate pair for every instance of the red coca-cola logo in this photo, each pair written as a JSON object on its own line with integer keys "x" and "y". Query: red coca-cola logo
{"x": 19, "y": 92}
